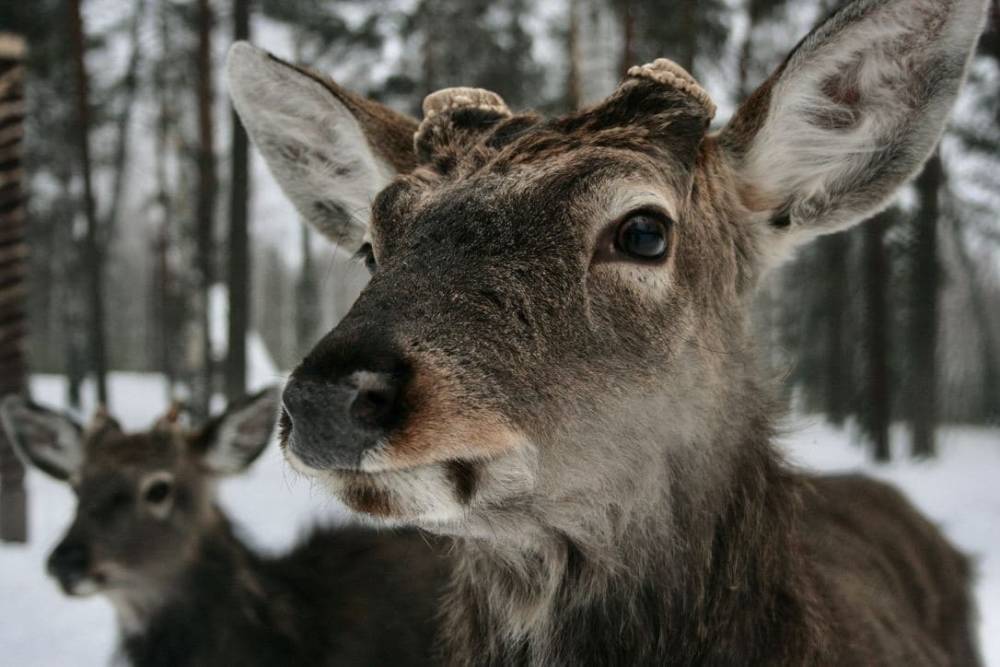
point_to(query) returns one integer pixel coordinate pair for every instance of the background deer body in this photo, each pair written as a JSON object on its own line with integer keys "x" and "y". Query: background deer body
{"x": 552, "y": 361}
{"x": 187, "y": 591}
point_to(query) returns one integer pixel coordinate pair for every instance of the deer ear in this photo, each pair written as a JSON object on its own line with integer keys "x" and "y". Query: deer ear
{"x": 852, "y": 114}
{"x": 330, "y": 150}
{"x": 230, "y": 442}
{"x": 48, "y": 440}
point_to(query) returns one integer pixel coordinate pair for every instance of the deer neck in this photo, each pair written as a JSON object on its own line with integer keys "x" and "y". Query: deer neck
{"x": 216, "y": 567}
{"x": 692, "y": 570}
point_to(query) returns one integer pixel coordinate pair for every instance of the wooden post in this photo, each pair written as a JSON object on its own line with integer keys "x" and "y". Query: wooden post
{"x": 13, "y": 273}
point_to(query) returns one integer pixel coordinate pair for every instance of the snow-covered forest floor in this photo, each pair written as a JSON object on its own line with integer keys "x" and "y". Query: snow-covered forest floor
{"x": 38, "y": 626}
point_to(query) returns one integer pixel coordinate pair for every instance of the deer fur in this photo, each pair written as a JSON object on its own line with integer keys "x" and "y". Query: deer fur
{"x": 186, "y": 589}
{"x": 592, "y": 429}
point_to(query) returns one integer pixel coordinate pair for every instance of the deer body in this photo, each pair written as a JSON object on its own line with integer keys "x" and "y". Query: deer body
{"x": 344, "y": 597}
{"x": 187, "y": 591}
{"x": 552, "y": 363}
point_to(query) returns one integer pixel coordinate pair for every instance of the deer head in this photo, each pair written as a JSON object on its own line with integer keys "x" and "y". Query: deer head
{"x": 554, "y": 336}
{"x": 144, "y": 500}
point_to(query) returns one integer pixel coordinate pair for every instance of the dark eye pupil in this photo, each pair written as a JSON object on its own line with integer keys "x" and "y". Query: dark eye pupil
{"x": 643, "y": 236}
{"x": 158, "y": 492}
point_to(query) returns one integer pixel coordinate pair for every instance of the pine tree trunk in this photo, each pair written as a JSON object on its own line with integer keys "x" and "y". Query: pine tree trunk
{"x": 877, "y": 403}
{"x": 206, "y": 200}
{"x": 13, "y": 275}
{"x": 239, "y": 256}
{"x": 989, "y": 408}
{"x": 94, "y": 263}
{"x": 573, "y": 92}
{"x": 689, "y": 46}
{"x": 307, "y": 299}
{"x": 925, "y": 286}
{"x": 628, "y": 39}
{"x": 836, "y": 251}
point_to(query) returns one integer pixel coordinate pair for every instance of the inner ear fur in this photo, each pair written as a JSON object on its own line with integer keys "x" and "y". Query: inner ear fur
{"x": 852, "y": 114}
{"x": 330, "y": 150}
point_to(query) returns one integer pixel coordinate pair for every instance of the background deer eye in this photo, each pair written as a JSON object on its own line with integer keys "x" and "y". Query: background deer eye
{"x": 644, "y": 235}
{"x": 157, "y": 492}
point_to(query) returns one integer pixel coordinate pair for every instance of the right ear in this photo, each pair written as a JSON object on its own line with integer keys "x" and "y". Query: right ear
{"x": 48, "y": 440}
{"x": 330, "y": 150}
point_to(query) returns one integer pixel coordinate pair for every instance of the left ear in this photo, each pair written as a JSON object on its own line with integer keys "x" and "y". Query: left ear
{"x": 230, "y": 442}
{"x": 852, "y": 114}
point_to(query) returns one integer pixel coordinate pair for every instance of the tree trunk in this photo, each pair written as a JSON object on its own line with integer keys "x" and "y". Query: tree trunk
{"x": 239, "y": 256}
{"x": 836, "y": 251}
{"x": 13, "y": 274}
{"x": 573, "y": 93}
{"x": 94, "y": 260}
{"x": 628, "y": 40}
{"x": 689, "y": 46}
{"x": 925, "y": 285}
{"x": 165, "y": 324}
{"x": 307, "y": 299}
{"x": 981, "y": 312}
{"x": 205, "y": 215}
{"x": 877, "y": 404}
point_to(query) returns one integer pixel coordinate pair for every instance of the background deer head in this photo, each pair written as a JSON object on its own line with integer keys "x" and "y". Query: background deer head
{"x": 144, "y": 500}
{"x": 555, "y": 325}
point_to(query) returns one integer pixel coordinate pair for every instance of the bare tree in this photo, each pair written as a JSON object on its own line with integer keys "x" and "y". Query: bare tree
{"x": 925, "y": 284}
{"x": 877, "y": 404}
{"x": 207, "y": 188}
{"x": 94, "y": 261}
{"x": 239, "y": 256}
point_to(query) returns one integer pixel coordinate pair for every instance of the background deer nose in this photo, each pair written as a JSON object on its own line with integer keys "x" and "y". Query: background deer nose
{"x": 334, "y": 422}
{"x": 69, "y": 562}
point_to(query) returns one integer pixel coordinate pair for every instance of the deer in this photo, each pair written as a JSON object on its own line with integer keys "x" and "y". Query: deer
{"x": 551, "y": 365}
{"x": 150, "y": 537}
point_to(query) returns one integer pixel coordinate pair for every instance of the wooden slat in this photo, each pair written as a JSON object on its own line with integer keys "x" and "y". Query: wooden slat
{"x": 13, "y": 270}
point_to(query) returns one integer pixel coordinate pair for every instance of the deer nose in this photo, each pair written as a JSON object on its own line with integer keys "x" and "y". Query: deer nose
{"x": 69, "y": 563}
{"x": 334, "y": 422}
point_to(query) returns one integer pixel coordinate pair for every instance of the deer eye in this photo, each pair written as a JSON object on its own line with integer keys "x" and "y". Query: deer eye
{"x": 644, "y": 235}
{"x": 367, "y": 255}
{"x": 157, "y": 492}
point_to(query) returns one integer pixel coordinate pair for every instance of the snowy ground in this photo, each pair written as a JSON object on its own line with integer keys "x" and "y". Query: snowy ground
{"x": 38, "y": 626}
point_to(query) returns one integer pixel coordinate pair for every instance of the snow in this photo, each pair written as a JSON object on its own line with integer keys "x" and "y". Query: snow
{"x": 38, "y": 626}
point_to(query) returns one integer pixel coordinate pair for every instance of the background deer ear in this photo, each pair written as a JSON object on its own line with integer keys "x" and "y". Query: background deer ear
{"x": 46, "y": 439}
{"x": 852, "y": 113}
{"x": 230, "y": 442}
{"x": 330, "y": 150}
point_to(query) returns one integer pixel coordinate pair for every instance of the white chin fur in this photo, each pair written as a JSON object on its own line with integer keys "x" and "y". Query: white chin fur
{"x": 422, "y": 495}
{"x": 85, "y": 588}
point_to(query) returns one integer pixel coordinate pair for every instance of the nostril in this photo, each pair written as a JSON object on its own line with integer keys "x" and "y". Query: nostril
{"x": 68, "y": 558}
{"x": 374, "y": 407}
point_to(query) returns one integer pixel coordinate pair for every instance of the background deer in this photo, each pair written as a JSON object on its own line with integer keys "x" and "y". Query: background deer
{"x": 149, "y": 536}
{"x": 552, "y": 360}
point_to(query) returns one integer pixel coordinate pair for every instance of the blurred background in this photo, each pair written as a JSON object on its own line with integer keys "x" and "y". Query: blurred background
{"x": 146, "y": 254}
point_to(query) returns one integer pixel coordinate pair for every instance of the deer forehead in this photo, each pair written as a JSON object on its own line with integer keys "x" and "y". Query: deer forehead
{"x": 586, "y": 186}
{"x": 135, "y": 454}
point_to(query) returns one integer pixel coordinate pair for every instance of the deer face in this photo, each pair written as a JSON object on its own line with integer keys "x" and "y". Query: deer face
{"x": 555, "y": 315}
{"x": 144, "y": 500}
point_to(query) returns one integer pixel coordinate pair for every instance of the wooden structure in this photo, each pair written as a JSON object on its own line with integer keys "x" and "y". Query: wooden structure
{"x": 13, "y": 275}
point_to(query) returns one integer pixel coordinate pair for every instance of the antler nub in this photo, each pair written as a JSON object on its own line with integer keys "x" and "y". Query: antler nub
{"x": 440, "y": 106}
{"x": 669, "y": 73}
{"x": 451, "y": 99}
